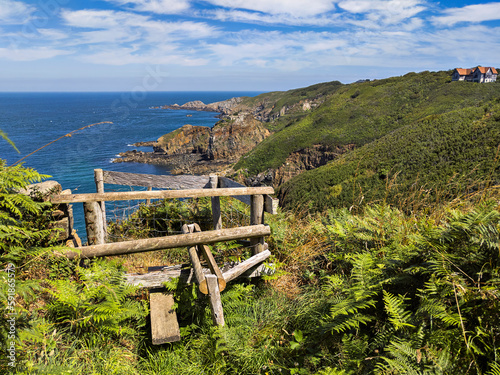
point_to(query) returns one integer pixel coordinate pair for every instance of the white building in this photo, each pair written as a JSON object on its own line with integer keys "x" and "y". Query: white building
{"x": 481, "y": 74}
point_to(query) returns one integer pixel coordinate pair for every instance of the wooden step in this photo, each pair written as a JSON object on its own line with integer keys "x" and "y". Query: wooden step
{"x": 164, "y": 325}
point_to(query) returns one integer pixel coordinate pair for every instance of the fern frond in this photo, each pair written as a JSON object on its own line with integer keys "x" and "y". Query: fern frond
{"x": 398, "y": 316}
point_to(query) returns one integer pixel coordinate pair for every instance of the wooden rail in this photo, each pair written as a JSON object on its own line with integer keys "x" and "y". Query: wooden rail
{"x": 169, "y": 242}
{"x": 160, "y": 194}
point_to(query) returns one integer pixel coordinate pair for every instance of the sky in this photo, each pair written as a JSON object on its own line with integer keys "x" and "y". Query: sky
{"x": 236, "y": 45}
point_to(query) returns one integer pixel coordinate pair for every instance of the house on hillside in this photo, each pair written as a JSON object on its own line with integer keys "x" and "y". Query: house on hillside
{"x": 481, "y": 74}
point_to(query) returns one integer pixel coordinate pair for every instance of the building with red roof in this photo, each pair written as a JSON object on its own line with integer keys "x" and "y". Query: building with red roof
{"x": 481, "y": 74}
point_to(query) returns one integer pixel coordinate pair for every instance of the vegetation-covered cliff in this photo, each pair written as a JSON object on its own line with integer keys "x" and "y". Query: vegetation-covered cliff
{"x": 420, "y": 128}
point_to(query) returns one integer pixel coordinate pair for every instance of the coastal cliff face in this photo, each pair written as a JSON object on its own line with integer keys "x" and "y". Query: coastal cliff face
{"x": 200, "y": 149}
{"x": 188, "y": 139}
{"x": 298, "y": 162}
{"x": 235, "y": 136}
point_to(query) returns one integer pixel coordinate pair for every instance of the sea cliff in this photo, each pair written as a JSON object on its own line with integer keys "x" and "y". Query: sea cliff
{"x": 200, "y": 149}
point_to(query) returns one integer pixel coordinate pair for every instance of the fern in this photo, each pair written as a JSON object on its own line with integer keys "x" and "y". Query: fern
{"x": 99, "y": 303}
{"x": 398, "y": 316}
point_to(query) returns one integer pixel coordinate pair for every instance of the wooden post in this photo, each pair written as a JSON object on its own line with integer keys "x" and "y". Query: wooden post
{"x": 216, "y": 214}
{"x": 195, "y": 261}
{"x": 256, "y": 218}
{"x": 215, "y": 300}
{"x": 164, "y": 325}
{"x": 99, "y": 184}
{"x": 207, "y": 254}
{"x": 148, "y": 201}
{"x": 93, "y": 223}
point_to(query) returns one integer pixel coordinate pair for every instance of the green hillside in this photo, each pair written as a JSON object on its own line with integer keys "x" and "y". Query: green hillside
{"x": 361, "y": 113}
{"x": 438, "y": 155}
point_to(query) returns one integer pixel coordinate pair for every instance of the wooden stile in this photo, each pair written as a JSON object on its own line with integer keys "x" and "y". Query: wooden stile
{"x": 246, "y": 266}
{"x": 216, "y": 212}
{"x": 99, "y": 184}
{"x": 257, "y": 218}
{"x": 94, "y": 223}
{"x": 155, "y": 279}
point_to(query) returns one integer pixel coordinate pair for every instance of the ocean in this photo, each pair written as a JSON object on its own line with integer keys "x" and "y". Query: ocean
{"x": 31, "y": 120}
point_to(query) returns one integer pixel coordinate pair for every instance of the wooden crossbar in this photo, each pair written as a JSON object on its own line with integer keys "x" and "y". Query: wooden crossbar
{"x": 169, "y": 242}
{"x": 160, "y": 194}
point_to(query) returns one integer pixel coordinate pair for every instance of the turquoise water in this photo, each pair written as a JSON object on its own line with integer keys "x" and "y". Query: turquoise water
{"x": 32, "y": 120}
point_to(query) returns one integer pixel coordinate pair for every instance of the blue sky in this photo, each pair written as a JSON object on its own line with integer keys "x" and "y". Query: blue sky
{"x": 262, "y": 45}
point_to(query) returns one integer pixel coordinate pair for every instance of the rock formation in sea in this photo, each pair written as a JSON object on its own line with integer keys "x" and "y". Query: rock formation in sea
{"x": 200, "y": 149}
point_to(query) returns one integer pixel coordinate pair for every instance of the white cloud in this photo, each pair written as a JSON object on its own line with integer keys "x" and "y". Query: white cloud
{"x": 273, "y": 19}
{"x": 156, "y": 6}
{"x": 101, "y": 19}
{"x": 12, "y": 12}
{"x": 127, "y": 56}
{"x": 383, "y": 12}
{"x": 52, "y": 34}
{"x": 297, "y": 8}
{"x": 137, "y": 25}
{"x": 31, "y": 54}
{"x": 121, "y": 38}
{"x": 470, "y": 13}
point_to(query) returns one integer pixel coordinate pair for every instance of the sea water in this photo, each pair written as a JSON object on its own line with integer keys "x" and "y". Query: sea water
{"x": 32, "y": 120}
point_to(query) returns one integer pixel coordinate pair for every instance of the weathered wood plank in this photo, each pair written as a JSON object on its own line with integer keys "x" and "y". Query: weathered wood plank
{"x": 156, "y": 181}
{"x": 215, "y": 300}
{"x": 169, "y": 242}
{"x": 164, "y": 325}
{"x": 271, "y": 204}
{"x": 243, "y": 267}
{"x": 159, "y": 194}
{"x": 155, "y": 279}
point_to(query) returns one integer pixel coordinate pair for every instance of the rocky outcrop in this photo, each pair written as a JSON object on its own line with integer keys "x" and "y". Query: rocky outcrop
{"x": 235, "y": 136}
{"x": 188, "y": 139}
{"x": 298, "y": 162}
{"x": 200, "y": 149}
{"x": 224, "y": 107}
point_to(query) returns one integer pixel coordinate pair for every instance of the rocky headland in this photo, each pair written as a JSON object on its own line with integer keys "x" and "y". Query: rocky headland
{"x": 202, "y": 150}
{"x": 199, "y": 149}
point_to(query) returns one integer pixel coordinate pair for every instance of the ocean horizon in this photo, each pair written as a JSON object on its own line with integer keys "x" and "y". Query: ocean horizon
{"x": 34, "y": 119}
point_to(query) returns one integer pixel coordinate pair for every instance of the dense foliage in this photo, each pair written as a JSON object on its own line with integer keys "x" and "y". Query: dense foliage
{"x": 439, "y": 156}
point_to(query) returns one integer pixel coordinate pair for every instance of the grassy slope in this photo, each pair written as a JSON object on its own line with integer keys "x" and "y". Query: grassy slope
{"x": 460, "y": 145}
{"x": 361, "y": 113}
